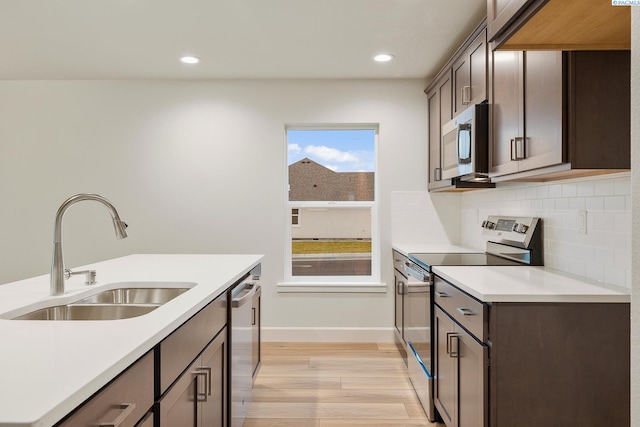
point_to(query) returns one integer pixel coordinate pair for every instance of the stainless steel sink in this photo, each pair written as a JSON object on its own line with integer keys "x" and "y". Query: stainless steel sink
{"x": 121, "y": 300}
{"x": 89, "y": 312}
{"x": 134, "y": 296}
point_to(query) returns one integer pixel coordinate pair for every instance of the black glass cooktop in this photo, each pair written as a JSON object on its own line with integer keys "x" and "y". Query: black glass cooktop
{"x": 428, "y": 260}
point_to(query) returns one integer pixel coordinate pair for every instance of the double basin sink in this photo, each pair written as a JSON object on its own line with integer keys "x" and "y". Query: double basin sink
{"x": 121, "y": 301}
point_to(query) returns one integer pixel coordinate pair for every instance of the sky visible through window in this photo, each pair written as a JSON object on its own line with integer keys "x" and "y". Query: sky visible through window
{"x": 341, "y": 150}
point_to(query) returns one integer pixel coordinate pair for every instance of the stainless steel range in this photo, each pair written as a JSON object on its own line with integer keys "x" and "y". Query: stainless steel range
{"x": 511, "y": 241}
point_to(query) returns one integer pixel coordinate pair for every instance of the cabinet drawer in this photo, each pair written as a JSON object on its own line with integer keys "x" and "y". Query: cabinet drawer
{"x": 181, "y": 347}
{"x": 469, "y": 312}
{"x": 122, "y": 402}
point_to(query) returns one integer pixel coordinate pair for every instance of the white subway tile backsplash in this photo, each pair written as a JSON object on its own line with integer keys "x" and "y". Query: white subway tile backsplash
{"x": 555, "y": 190}
{"x": 615, "y": 203}
{"x": 569, "y": 190}
{"x": 603, "y": 253}
{"x": 594, "y": 204}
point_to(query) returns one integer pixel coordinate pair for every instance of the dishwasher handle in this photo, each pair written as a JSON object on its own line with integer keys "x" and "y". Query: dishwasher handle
{"x": 239, "y": 297}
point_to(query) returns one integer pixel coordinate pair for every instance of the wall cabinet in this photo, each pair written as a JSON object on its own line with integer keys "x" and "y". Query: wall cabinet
{"x": 501, "y": 13}
{"x": 440, "y": 112}
{"x": 553, "y": 113}
{"x": 530, "y": 364}
{"x": 470, "y": 75}
{"x": 461, "y": 82}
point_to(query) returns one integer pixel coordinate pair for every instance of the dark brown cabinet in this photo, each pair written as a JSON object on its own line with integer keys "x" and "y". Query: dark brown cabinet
{"x": 553, "y": 113}
{"x": 529, "y": 364}
{"x": 501, "y": 13}
{"x": 440, "y": 112}
{"x": 123, "y": 402}
{"x": 470, "y": 75}
{"x": 198, "y": 397}
{"x": 461, "y": 367}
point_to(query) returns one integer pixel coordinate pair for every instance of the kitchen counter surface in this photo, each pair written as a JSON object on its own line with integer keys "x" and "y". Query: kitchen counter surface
{"x": 529, "y": 284}
{"x": 48, "y": 368}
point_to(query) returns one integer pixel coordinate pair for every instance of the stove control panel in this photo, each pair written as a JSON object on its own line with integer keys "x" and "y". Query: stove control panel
{"x": 507, "y": 228}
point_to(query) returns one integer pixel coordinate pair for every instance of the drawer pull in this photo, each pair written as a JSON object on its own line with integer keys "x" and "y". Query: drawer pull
{"x": 442, "y": 294}
{"x": 204, "y": 372}
{"x": 466, "y": 311}
{"x": 452, "y": 350}
{"x": 127, "y": 409}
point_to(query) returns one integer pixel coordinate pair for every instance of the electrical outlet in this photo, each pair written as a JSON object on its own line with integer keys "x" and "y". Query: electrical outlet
{"x": 582, "y": 222}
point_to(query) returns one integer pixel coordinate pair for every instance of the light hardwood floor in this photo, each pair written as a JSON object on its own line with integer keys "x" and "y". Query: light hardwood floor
{"x": 333, "y": 385}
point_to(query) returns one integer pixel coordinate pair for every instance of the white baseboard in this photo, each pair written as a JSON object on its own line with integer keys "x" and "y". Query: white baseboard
{"x": 282, "y": 334}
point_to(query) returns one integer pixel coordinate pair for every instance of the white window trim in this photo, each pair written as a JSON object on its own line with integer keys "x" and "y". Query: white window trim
{"x": 334, "y": 284}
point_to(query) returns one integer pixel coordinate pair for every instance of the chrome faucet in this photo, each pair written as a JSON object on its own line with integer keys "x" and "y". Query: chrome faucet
{"x": 57, "y": 264}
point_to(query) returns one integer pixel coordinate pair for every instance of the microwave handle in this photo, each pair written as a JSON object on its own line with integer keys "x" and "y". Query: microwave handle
{"x": 464, "y": 154}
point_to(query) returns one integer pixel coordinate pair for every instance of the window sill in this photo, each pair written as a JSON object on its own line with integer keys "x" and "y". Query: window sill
{"x": 331, "y": 287}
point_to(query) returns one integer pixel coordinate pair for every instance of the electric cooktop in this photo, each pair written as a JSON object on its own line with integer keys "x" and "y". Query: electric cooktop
{"x": 428, "y": 260}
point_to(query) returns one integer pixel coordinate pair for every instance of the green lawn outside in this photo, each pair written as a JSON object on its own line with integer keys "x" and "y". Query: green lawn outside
{"x": 330, "y": 247}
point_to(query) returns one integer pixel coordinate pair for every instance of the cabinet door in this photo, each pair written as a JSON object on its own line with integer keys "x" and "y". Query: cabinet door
{"x": 500, "y": 13}
{"x": 507, "y": 111}
{"x": 477, "y": 54}
{"x": 199, "y": 396}
{"x": 543, "y": 106}
{"x": 446, "y": 100}
{"x": 399, "y": 304}
{"x": 213, "y": 398}
{"x": 434, "y": 138}
{"x": 473, "y": 381}
{"x": 461, "y": 86}
{"x": 179, "y": 406}
{"x": 445, "y": 382}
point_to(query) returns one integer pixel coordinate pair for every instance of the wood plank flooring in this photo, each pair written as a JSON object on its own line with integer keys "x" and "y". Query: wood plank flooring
{"x": 334, "y": 385}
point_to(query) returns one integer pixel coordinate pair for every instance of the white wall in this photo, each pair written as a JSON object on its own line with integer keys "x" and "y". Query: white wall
{"x": 193, "y": 167}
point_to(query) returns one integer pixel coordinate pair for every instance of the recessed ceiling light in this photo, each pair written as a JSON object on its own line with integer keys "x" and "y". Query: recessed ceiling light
{"x": 383, "y": 57}
{"x": 190, "y": 59}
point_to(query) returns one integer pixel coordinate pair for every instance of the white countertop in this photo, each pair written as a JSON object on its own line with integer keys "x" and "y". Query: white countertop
{"x": 47, "y": 368}
{"x": 529, "y": 284}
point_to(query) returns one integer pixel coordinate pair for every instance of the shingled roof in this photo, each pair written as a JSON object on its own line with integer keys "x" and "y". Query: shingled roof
{"x": 309, "y": 180}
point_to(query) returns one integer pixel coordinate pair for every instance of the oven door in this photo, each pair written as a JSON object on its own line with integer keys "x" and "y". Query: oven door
{"x": 417, "y": 333}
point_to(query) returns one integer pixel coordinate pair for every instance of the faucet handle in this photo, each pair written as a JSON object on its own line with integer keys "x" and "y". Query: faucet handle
{"x": 90, "y": 275}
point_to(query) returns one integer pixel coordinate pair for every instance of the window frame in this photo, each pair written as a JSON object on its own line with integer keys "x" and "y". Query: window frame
{"x": 369, "y": 283}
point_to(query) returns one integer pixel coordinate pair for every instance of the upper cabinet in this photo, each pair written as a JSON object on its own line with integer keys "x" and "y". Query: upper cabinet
{"x": 559, "y": 114}
{"x": 461, "y": 83}
{"x": 558, "y": 25}
{"x": 470, "y": 75}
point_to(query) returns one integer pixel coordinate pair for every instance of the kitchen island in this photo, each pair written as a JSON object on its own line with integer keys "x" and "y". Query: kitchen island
{"x": 48, "y": 368}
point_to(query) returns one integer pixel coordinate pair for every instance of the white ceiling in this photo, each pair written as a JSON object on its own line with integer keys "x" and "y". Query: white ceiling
{"x": 143, "y": 39}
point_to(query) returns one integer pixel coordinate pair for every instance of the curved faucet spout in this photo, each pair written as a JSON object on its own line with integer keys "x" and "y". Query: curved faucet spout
{"x": 57, "y": 263}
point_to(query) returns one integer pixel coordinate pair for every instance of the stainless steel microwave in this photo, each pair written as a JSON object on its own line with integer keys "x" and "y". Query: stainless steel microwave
{"x": 465, "y": 145}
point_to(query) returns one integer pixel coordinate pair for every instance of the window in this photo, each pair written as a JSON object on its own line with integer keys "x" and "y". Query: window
{"x": 331, "y": 182}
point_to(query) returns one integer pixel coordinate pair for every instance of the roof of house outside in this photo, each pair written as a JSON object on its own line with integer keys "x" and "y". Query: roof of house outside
{"x": 310, "y": 181}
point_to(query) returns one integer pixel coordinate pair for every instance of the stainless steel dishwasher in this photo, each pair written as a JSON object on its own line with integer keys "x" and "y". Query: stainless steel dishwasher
{"x": 241, "y": 345}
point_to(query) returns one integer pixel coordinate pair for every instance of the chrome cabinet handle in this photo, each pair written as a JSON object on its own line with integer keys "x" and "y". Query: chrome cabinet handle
{"x": 437, "y": 174}
{"x": 451, "y": 338}
{"x": 203, "y": 372}
{"x": 466, "y": 95}
{"x": 466, "y": 311}
{"x": 127, "y": 409}
{"x": 518, "y": 148}
{"x": 442, "y": 294}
